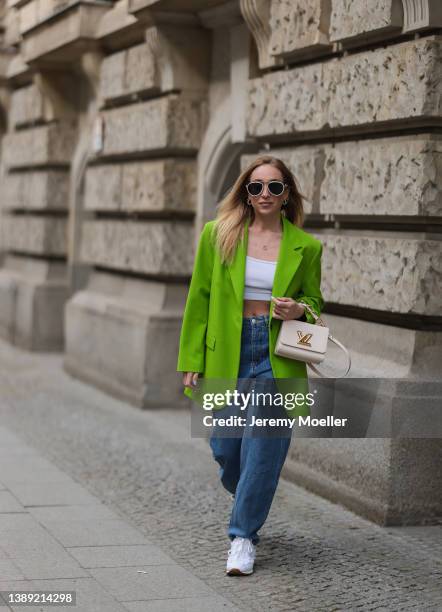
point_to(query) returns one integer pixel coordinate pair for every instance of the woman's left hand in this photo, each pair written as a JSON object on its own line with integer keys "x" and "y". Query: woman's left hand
{"x": 286, "y": 308}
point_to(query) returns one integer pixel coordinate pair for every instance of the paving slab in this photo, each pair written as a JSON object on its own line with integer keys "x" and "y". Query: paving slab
{"x": 119, "y": 556}
{"x": 189, "y": 604}
{"x": 94, "y": 532}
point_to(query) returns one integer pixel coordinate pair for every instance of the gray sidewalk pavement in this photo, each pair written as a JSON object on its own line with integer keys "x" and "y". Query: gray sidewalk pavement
{"x": 56, "y": 536}
{"x": 93, "y": 492}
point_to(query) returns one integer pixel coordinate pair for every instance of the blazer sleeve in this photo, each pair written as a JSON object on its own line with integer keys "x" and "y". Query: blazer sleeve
{"x": 193, "y": 330}
{"x": 310, "y": 292}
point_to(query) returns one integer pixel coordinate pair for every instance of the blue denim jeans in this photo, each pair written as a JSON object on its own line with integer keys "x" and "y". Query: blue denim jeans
{"x": 250, "y": 465}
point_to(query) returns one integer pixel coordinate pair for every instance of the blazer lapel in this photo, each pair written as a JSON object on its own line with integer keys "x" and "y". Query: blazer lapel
{"x": 237, "y": 268}
{"x": 289, "y": 258}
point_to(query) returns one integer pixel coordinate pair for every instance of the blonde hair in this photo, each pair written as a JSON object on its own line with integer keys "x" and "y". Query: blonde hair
{"x": 233, "y": 210}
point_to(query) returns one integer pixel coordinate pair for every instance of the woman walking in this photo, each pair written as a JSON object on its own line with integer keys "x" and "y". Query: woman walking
{"x": 252, "y": 255}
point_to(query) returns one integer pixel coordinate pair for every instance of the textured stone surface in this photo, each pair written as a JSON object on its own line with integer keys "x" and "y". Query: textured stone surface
{"x": 103, "y": 187}
{"x": 141, "y": 73}
{"x": 40, "y": 235}
{"x": 11, "y": 24}
{"x": 58, "y": 38}
{"x": 46, "y": 144}
{"x": 168, "y": 184}
{"x": 36, "y": 11}
{"x": 399, "y": 82}
{"x": 154, "y": 247}
{"x": 17, "y": 69}
{"x": 351, "y": 18}
{"x": 112, "y": 75}
{"x": 147, "y": 185}
{"x": 42, "y": 189}
{"x": 392, "y": 274}
{"x": 33, "y": 292}
{"x": 127, "y": 72}
{"x": 383, "y": 176}
{"x": 28, "y": 106}
{"x": 298, "y": 24}
{"x": 388, "y": 176}
{"x": 171, "y": 122}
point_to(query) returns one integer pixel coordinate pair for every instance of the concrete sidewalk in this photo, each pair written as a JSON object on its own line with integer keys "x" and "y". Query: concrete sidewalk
{"x": 93, "y": 490}
{"x": 55, "y": 535}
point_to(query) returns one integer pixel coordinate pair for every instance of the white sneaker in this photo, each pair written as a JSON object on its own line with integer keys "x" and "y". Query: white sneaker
{"x": 241, "y": 557}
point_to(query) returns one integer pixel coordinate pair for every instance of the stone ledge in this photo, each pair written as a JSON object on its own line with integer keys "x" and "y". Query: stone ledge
{"x": 171, "y": 123}
{"x": 35, "y": 190}
{"x": 132, "y": 312}
{"x": 321, "y": 466}
{"x": 37, "y": 235}
{"x": 29, "y": 106}
{"x": 127, "y": 72}
{"x": 150, "y": 186}
{"x": 32, "y": 298}
{"x": 143, "y": 247}
{"x": 385, "y": 176}
{"x": 400, "y": 275}
{"x": 171, "y": 59}
{"x": 65, "y": 35}
{"x": 282, "y": 103}
{"x": 11, "y": 25}
{"x": 18, "y": 72}
{"x": 51, "y": 144}
{"x": 388, "y": 176}
{"x": 360, "y": 20}
{"x": 299, "y": 28}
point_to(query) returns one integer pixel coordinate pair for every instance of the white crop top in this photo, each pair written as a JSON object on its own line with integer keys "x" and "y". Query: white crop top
{"x": 259, "y": 279}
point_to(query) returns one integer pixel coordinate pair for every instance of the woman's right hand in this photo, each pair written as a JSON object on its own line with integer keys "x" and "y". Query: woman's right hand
{"x": 190, "y": 379}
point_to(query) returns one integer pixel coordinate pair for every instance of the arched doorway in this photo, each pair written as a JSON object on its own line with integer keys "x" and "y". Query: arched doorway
{"x": 218, "y": 163}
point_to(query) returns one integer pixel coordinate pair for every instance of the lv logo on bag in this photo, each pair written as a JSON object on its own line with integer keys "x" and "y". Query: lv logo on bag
{"x": 294, "y": 338}
{"x": 304, "y": 338}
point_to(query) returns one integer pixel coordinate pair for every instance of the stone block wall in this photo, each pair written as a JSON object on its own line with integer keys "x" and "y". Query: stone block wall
{"x": 37, "y": 151}
{"x": 171, "y": 123}
{"x": 118, "y": 205}
{"x": 372, "y": 188}
{"x": 139, "y": 203}
{"x": 150, "y": 185}
{"x": 348, "y": 95}
{"x": 146, "y": 163}
{"x": 398, "y": 83}
{"x": 394, "y": 175}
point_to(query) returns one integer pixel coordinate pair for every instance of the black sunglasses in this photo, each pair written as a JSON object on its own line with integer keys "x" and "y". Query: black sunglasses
{"x": 255, "y": 188}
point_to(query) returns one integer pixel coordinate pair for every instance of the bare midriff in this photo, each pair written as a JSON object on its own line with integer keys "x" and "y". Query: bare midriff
{"x": 254, "y": 308}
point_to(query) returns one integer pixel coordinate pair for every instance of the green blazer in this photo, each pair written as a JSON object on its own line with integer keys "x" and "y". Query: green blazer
{"x": 210, "y": 341}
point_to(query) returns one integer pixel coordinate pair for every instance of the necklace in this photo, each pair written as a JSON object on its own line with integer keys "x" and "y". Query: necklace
{"x": 265, "y": 247}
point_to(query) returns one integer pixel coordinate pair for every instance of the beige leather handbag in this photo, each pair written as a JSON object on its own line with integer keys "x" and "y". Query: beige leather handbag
{"x": 306, "y": 342}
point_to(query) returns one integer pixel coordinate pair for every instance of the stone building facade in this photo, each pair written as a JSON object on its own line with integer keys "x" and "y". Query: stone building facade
{"x": 123, "y": 123}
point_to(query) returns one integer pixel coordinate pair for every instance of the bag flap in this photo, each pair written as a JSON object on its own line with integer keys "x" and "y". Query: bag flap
{"x": 300, "y": 335}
